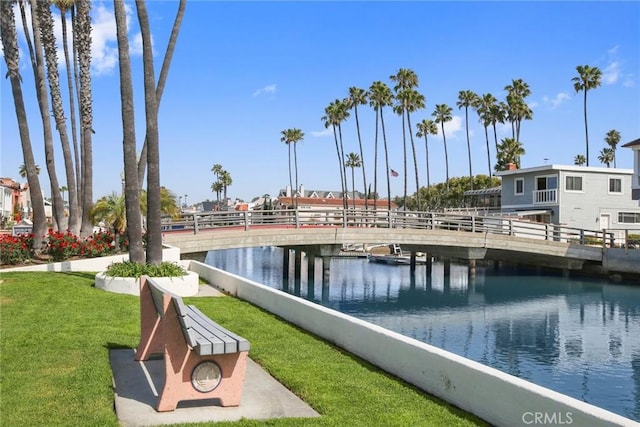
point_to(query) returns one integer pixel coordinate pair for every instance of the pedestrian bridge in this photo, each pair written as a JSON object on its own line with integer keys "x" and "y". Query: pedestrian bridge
{"x": 323, "y": 233}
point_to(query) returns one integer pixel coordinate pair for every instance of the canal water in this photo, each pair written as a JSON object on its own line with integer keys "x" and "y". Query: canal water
{"x": 580, "y": 337}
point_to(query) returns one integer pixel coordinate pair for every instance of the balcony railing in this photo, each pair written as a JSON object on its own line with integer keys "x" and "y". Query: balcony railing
{"x": 545, "y": 196}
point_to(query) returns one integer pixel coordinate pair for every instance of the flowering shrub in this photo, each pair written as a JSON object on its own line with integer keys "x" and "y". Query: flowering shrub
{"x": 15, "y": 249}
{"x": 62, "y": 246}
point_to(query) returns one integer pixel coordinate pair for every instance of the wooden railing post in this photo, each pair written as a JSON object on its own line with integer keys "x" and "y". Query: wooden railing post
{"x": 195, "y": 223}
{"x": 297, "y": 217}
{"x": 246, "y": 220}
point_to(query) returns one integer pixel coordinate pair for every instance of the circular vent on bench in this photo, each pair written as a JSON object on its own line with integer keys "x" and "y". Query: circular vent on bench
{"x": 206, "y": 376}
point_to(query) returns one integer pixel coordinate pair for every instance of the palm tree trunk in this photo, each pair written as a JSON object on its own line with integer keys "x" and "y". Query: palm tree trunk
{"x": 404, "y": 159}
{"x": 466, "y": 119}
{"x": 335, "y": 137}
{"x": 131, "y": 187}
{"x": 386, "y": 157}
{"x": 154, "y": 235}
{"x": 486, "y": 135}
{"x": 83, "y": 34}
{"x": 375, "y": 166}
{"x": 72, "y": 118}
{"x": 586, "y": 131}
{"x": 10, "y": 44}
{"x": 43, "y": 103}
{"x": 353, "y": 187}
{"x": 364, "y": 175}
{"x": 295, "y": 162}
{"x": 426, "y": 151}
{"x": 415, "y": 162}
{"x": 446, "y": 154}
{"x": 49, "y": 43}
{"x": 344, "y": 170}
{"x": 164, "y": 72}
{"x": 290, "y": 177}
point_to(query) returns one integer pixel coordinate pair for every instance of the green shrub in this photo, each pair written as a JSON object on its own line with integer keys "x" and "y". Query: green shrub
{"x": 134, "y": 269}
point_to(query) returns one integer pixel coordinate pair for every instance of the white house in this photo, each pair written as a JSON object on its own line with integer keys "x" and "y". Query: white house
{"x": 592, "y": 198}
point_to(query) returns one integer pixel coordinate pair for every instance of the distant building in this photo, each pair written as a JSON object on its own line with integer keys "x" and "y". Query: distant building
{"x": 330, "y": 200}
{"x": 592, "y": 198}
{"x": 635, "y": 184}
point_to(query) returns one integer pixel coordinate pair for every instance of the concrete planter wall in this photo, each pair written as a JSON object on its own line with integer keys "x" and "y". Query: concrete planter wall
{"x": 184, "y": 286}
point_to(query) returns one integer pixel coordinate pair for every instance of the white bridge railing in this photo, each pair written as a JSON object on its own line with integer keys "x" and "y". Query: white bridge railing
{"x": 301, "y": 218}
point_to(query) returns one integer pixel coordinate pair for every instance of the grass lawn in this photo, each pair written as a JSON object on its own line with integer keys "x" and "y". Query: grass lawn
{"x": 57, "y": 330}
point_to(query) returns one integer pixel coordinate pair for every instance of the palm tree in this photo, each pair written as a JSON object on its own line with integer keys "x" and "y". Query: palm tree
{"x": 612, "y": 139}
{"x": 48, "y": 40}
{"x": 164, "y": 72}
{"x": 606, "y": 156}
{"x": 64, "y": 6}
{"x": 357, "y": 97}
{"x": 12, "y": 58}
{"x": 335, "y": 114}
{"x": 168, "y": 205}
{"x": 427, "y": 127}
{"x": 408, "y": 101}
{"x": 579, "y": 160}
{"x": 154, "y": 234}
{"x": 466, "y": 99}
{"x": 353, "y": 161}
{"x": 217, "y": 188}
{"x": 22, "y": 170}
{"x": 226, "y": 181}
{"x": 43, "y": 104}
{"x": 517, "y": 109}
{"x": 380, "y": 96}
{"x": 497, "y": 114}
{"x": 509, "y": 151}
{"x": 111, "y": 210}
{"x": 588, "y": 78}
{"x": 483, "y": 108}
{"x": 289, "y": 137}
{"x": 63, "y": 190}
{"x": 82, "y": 35}
{"x": 442, "y": 113}
{"x": 131, "y": 184}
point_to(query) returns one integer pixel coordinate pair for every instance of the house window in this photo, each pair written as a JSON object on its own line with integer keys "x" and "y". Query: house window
{"x": 519, "y": 186}
{"x": 573, "y": 183}
{"x": 546, "y": 182}
{"x": 615, "y": 185}
{"x": 629, "y": 217}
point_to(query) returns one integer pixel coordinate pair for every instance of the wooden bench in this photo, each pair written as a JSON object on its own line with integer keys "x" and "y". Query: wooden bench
{"x": 202, "y": 359}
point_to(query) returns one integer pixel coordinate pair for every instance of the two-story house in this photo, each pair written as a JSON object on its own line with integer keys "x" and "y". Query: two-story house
{"x": 635, "y": 184}
{"x": 592, "y": 198}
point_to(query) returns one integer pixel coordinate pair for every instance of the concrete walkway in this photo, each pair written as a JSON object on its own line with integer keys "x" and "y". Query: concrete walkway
{"x": 137, "y": 385}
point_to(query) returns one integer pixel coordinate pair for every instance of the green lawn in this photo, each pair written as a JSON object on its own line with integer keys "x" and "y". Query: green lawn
{"x": 57, "y": 329}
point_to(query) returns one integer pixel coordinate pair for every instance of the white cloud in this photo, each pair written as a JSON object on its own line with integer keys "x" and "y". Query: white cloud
{"x": 629, "y": 81}
{"x": 267, "y": 89}
{"x": 326, "y": 132}
{"x": 557, "y": 100}
{"x": 611, "y": 73}
{"x": 452, "y": 127}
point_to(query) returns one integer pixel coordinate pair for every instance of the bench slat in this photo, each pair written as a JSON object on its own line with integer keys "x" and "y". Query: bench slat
{"x": 243, "y": 344}
{"x": 204, "y": 326}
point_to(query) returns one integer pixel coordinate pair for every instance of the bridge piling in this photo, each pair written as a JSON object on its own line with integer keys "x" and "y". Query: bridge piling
{"x": 297, "y": 265}
{"x": 285, "y": 264}
{"x": 326, "y": 269}
{"x": 311, "y": 268}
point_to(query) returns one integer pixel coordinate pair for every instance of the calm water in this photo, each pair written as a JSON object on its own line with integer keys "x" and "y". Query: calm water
{"x": 578, "y": 337}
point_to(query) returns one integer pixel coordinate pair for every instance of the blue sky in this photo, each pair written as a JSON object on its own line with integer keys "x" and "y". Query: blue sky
{"x": 244, "y": 71}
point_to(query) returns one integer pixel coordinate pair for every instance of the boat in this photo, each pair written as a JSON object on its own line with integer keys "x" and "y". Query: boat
{"x": 396, "y": 257}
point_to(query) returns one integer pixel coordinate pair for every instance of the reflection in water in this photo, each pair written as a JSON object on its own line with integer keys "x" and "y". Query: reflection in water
{"x": 578, "y": 337}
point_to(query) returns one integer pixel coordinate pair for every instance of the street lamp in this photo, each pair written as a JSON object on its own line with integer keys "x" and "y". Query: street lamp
{"x": 180, "y": 203}
{"x": 186, "y": 205}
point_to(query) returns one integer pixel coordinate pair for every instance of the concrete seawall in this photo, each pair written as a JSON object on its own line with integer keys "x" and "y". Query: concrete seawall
{"x": 497, "y": 397}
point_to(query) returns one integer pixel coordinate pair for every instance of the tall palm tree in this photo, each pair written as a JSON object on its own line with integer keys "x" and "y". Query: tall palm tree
{"x": 497, "y": 114}
{"x": 292, "y": 137}
{"x": 466, "y": 99}
{"x": 509, "y": 151}
{"x": 111, "y": 210}
{"x": 82, "y": 36}
{"x": 37, "y": 62}
{"x": 45, "y": 19}
{"x": 517, "y": 108}
{"x": 131, "y": 185}
{"x": 335, "y": 114}
{"x": 606, "y": 156}
{"x": 579, "y": 160}
{"x": 154, "y": 234}
{"x": 407, "y": 100}
{"x": 357, "y": 97}
{"x": 612, "y": 139}
{"x": 64, "y": 6}
{"x": 483, "y": 108}
{"x": 11, "y": 55}
{"x": 427, "y": 127}
{"x": 164, "y": 72}
{"x": 353, "y": 161}
{"x": 442, "y": 113}
{"x": 380, "y": 96}
{"x": 588, "y": 78}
